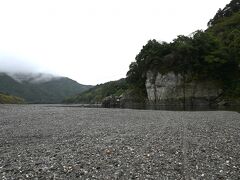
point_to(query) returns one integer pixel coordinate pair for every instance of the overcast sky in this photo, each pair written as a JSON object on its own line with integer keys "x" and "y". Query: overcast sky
{"x": 92, "y": 41}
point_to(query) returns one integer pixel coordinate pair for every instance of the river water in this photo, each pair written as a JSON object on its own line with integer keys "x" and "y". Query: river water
{"x": 162, "y": 107}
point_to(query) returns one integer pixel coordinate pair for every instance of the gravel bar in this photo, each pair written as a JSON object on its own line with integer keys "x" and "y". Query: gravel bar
{"x": 47, "y": 142}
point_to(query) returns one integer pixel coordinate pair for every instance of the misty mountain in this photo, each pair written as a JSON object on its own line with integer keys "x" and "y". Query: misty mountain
{"x": 40, "y": 88}
{"x": 32, "y": 77}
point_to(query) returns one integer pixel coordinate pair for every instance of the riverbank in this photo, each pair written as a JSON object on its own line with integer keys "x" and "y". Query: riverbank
{"x": 37, "y": 141}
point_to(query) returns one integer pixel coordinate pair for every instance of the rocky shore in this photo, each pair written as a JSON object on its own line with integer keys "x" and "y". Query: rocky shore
{"x": 47, "y": 142}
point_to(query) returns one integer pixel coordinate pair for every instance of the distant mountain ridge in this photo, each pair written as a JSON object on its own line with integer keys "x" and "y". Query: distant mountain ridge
{"x": 39, "y": 87}
{"x": 32, "y": 77}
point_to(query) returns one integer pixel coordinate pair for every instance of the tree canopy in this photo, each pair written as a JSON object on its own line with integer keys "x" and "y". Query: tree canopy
{"x": 213, "y": 54}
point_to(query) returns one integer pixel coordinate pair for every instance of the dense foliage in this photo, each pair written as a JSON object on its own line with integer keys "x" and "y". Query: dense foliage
{"x": 99, "y": 92}
{"x": 229, "y": 10}
{"x": 211, "y": 54}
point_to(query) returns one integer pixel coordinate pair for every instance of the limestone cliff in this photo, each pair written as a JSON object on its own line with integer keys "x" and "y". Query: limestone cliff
{"x": 172, "y": 89}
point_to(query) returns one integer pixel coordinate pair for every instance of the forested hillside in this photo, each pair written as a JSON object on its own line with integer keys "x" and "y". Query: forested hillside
{"x": 209, "y": 55}
{"x": 36, "y": 89}
{"x": 213, "y": 54}
{"x": 99, "y": 92}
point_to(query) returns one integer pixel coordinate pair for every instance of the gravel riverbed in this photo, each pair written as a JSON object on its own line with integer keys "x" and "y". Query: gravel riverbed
{"x": 48, "y": 142}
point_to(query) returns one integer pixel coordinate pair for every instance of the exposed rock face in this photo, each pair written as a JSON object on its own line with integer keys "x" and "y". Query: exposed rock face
{"x": 170, "y": 89}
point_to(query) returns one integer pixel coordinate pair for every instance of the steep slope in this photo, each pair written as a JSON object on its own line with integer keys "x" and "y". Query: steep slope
{"x": 230, "y": 9}
{"x": 39, "y": 90}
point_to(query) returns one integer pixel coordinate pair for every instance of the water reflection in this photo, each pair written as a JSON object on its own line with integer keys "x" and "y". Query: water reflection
{"x": 158, "y": 107}
{"x": 182, "y": 108}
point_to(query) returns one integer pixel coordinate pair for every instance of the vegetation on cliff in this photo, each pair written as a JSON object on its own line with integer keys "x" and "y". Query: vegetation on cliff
{"x": 211, "y": 54}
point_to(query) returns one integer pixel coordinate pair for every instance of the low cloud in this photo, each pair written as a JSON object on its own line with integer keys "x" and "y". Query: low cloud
{"x": 21, "y": 70}
{"x": 14, "y": 65}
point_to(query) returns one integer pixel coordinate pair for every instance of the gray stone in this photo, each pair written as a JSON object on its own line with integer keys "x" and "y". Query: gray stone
{"x": 171, "y": 89}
